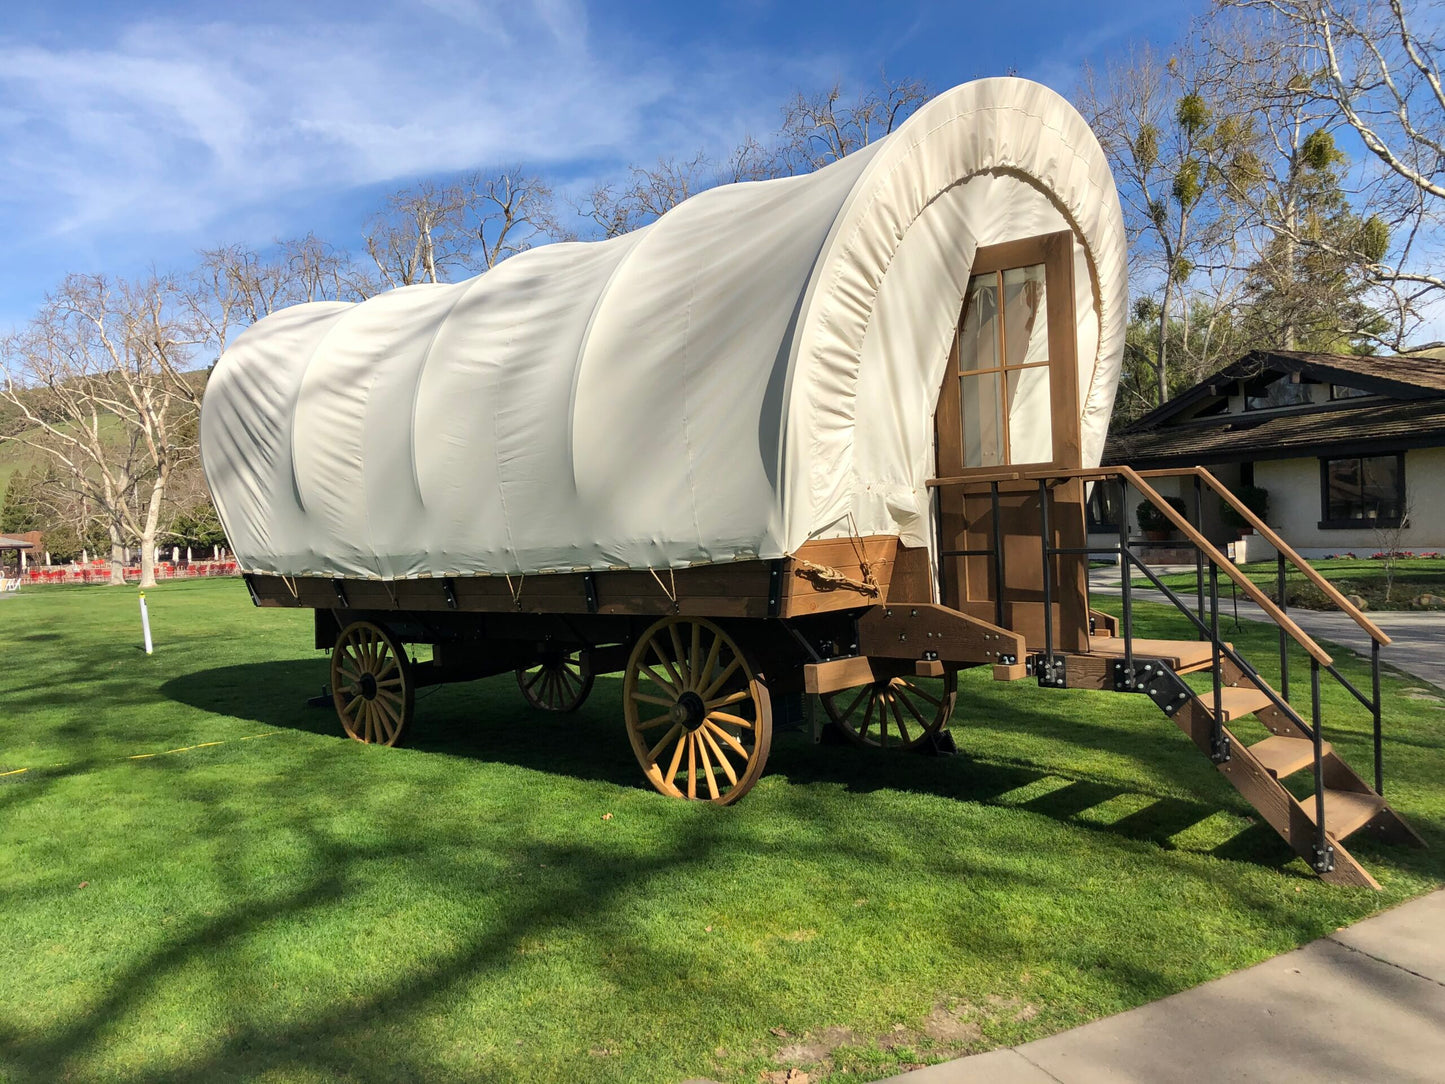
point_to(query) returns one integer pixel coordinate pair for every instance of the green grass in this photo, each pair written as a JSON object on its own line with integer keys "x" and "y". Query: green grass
{"x": 267, "y": 900}
{"x": 1414, "y": 576}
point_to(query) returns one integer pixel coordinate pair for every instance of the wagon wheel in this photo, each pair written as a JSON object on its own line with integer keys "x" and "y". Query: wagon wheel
{"x": 561, "y": 681}
{"x": 371, "y": 684}
{"x": 698, "y": 713}
{"x": 895, "y": 713}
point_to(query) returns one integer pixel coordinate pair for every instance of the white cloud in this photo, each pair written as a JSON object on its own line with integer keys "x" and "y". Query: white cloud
{"x": 175, "y": 126}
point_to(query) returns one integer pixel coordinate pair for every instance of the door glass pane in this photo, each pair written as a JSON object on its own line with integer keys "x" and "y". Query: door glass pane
{"x": 1025, "y": 317}
{"x": 1030, "y": 416}
{"x": 978, "y": 338}
{"x": 982, "y": 410}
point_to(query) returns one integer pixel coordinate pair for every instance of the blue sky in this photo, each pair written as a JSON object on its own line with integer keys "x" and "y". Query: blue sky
{"x": 134, "y": 134}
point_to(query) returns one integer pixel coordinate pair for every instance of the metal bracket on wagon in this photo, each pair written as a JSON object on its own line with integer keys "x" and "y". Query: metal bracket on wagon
{"x": 933, "y": 632}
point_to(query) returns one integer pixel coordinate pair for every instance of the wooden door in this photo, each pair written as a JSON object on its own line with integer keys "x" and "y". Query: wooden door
{"x": 1010, "y": 404}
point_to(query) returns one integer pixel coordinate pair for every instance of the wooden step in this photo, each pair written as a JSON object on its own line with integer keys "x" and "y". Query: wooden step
{"x": 1178, "y": 655}
{"x": 1283, "y": 756}
{"x": 1235, "y": 701}
{"x": 1346, "y": 811}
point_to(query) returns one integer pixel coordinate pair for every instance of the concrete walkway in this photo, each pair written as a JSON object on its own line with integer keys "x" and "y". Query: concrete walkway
{"x": 1364, "y": 1004}
{"x": 1418, "y": 636}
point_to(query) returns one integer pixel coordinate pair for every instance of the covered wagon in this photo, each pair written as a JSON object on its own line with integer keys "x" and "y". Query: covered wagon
{"x": 827, "y": 433}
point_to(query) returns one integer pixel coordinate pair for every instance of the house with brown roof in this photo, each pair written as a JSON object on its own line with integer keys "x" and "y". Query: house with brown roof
{"x": 1346, "y": 447}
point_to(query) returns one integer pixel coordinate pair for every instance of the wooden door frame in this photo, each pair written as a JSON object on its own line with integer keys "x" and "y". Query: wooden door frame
{"x": 1055, "y": 252}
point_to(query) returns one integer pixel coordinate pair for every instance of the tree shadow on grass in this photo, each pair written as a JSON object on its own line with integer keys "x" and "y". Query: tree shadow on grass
{"x": 487, "y": 721}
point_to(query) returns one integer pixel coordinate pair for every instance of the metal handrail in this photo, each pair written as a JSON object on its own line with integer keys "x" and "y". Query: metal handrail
{"x": 1319, "y": 658}
{"x": 1134, "y": 478}
{"x": 1330, "y": 591}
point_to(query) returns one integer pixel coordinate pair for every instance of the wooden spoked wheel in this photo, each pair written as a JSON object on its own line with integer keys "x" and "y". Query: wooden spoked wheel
{"x": 899, "y": 713}
{"x": 371, "y": 683}
{"x": 561, "y": 681}
{"x": 698, "y": 713}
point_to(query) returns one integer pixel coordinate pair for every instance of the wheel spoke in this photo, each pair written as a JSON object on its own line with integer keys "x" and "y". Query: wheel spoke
{"x": 732, "y": 741}
{"x": 387, "y": 719}
{"x": 731, "y": 698}
{"x": 676, "y": 761}
{"x": 722, "y": 759}
{"x": 919, "y": 717}
{"x": 679, "y": 656}
{"x": 898, "y": 716}
{"x": 678, "y": 683}
{"x": 644, "y": 670}
{"x": 710, "y": 661}
{"x": 851, "y": 708}
{"x": 691, "y": 764}
{"x": 655, "y": 721}
{"x": 695, "y": 650}
{"x": 721, "y": 679}
{"x": 868, "y": 713}
{"x": 736, "y": 720}
{"x": 647, "y": 699}
{"x": 914, "y": 690}
{"x": 697, "y": 739}
{"x": 656, "y": 750}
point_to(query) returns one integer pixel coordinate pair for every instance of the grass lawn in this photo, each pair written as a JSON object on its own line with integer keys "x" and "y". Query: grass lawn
{"x": 265, "y": 899}
{"x": 1414, "y": 576}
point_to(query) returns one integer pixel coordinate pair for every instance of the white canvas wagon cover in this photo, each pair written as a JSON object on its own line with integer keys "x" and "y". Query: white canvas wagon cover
{"x": 757, "y": 368}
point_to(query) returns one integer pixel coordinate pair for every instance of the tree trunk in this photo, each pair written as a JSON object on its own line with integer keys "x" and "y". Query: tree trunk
{"x": 117, "y": 555}
{"x": 148, "y": 530}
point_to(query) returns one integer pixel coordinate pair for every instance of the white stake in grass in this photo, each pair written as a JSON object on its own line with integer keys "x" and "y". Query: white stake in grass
{"x": 145, "y": 621}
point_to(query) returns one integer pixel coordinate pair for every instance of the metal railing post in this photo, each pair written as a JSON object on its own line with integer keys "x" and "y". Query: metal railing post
{"x": 1216, "y": 732}
{"x": 1375, "y": 711}
{"x": 998, "y": 567}
{"x": 1283, "y": 636}
{"x": 1322, "y": 848}
{"x": 1048, "y": 577}
{"x": 1126, "y": 574}
{"x": 1199, "y": 553}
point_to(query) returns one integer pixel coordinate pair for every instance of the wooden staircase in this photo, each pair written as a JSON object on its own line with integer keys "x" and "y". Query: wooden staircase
{"x": 1256, "y": 770}
{"x": 1106, "y": 655}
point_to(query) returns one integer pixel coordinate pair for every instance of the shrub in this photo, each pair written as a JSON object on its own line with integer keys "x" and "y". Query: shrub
{"x": 1152, "y": 519}
{"x": 1252, "y": 497}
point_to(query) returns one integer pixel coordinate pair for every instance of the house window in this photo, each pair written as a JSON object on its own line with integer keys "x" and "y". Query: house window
{"x": 1362, "y": 491}
{"x": 1285, "y": 391}
{"x": 1103, "y": 508}
{"x": 1344, "y": 391}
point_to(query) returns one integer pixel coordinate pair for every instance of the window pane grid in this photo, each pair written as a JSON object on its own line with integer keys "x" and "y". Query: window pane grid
{"x": 998, "y": 367}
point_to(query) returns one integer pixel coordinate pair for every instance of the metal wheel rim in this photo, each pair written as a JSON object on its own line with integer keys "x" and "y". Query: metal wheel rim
{"x": 717, "y": 751}
{"x": 375, "y": 712}
{"x": 899, "y": 713}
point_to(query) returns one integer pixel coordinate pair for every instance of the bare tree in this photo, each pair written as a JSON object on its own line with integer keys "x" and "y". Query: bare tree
{"x": 435, "y": 232}
{"x": 1374, "y": 68}
{"x": 234, "y": 286}
{"x": 816, "y": 129}
{"x": 822, "y": 128}
{"x": 99, "y": 377}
